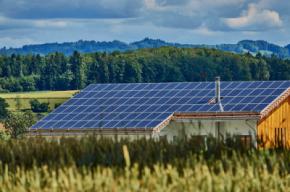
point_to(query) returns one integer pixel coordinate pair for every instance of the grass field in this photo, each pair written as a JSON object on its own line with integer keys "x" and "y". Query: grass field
{"x": 90, "y": 164}
{"x": 23, "y": 99}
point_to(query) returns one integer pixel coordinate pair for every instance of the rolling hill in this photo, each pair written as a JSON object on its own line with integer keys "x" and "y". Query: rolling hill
{"x": 67, "y": 48}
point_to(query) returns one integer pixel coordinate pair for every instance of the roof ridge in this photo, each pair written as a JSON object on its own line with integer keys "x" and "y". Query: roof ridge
{"x": 240, "y": 81}
{"x": 275, "y": 103}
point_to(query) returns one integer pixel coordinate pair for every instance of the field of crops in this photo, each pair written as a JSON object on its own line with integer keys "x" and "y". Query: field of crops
{"x": 90, "y": 164}
{"x": 23, "y": 99}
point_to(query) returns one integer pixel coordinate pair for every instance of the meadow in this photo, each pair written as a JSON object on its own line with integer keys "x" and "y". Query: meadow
{"x": 20, "y": 101}
{"x": 90, "y": 164}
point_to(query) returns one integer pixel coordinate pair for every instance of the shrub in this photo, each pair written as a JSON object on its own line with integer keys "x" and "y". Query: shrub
{"x": 57, "y": 105}
{"x": 4, "y": 135}
{"x": 17, "y": 123}
{"x": 3, "y": 108}
{"x": 38, "y": 107}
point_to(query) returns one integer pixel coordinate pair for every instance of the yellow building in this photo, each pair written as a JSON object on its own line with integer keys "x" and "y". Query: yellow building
{"x": 274, "y": 125}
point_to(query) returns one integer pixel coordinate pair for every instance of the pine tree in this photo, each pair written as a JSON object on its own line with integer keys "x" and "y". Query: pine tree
{"x": 77, "y": 68}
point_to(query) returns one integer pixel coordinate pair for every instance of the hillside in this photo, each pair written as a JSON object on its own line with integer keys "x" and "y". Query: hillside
{"x": 95, "y": 46}
{"x": 56, "y": 71}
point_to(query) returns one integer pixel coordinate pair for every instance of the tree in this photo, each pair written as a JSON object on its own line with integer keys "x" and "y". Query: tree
{"x": 132, "y": 72}
{"x": 56, "y": 71}
{"x": 17, "y": 123}
{"x": 38, "y": 107}
{"x": 6, "y": 71}
{"x": 103, "y": 72}
{"x": 49, "y": 73}
{"x": 98, "y": 70}
{"x": 27, "y": 83}
{"x": 34, "y": 64}
{"x": 3, "y": 108}
{"x": 77, "y": 68}
{"x": 63, "y": 82}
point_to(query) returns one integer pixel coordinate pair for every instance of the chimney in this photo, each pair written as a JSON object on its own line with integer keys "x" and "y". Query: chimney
{"x": 218, "y": 93}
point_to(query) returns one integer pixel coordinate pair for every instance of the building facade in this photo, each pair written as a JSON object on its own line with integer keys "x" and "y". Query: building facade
{"x": 257, "y": 112}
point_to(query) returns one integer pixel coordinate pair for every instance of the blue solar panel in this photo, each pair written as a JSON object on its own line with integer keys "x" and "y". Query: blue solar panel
{"x": 145, "y": 105}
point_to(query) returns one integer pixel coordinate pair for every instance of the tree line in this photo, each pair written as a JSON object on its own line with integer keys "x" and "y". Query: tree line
{"x": 56, "y": 71}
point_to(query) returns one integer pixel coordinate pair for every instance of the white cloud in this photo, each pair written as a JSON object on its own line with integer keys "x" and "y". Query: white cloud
{"x": 10, "y": 23}
{"x": 255, "y": 19}
{"x": 42, "y": 9}
{"x": 15, "y": 42}
{"x": 203, "y": 30}
{"x": 51, "y": 23}
{"x": 186, "y": 21}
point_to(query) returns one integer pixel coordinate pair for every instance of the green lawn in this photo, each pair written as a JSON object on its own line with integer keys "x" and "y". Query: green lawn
{"x": 51, "y": 97}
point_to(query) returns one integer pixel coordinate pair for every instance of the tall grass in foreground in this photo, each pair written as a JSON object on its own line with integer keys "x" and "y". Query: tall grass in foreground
{"x": 238, "y": 176}
{"x": 90, "y": 164}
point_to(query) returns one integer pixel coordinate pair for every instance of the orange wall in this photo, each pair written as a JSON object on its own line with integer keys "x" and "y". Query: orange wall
{"x": 278, "y": 118}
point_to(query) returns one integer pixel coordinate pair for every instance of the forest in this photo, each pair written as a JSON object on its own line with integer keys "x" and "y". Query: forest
{"x": 56, "y": 71}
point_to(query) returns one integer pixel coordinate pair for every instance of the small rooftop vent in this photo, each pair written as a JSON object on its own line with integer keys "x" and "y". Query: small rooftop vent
{"x": 218, "y": 93}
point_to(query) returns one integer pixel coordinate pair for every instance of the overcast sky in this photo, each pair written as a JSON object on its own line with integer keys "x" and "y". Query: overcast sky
{"x": 184, "y": 21}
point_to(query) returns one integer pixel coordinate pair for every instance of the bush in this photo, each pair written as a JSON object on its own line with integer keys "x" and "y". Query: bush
{"x": 38, "y": 107}
{"x": 57, "y": 105}
{"x": 17, "y": 123}
{"x": 4, "y": 135}
{"x": 3, "y": 108}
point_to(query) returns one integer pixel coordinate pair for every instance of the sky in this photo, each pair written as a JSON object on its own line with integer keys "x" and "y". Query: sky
{"x": 183, "y": 21}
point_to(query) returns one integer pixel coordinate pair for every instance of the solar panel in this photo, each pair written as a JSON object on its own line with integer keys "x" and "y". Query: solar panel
{"x": 145, "y": 105}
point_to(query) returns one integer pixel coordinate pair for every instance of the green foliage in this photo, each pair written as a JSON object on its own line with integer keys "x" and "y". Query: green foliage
{"x": 77, "y": 67}
{"x": 38, "y": 107}
{"x": 56, "y": 105}
{"x": 3, "y": 108}
{"x": 19, "y": 84}
{"x": 4, "y": 135}
{"x": 56, "y": 71}
{"x": 17, "y": 124}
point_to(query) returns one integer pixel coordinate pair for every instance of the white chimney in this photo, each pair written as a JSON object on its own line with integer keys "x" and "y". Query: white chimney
{"x": 218, "y": 93}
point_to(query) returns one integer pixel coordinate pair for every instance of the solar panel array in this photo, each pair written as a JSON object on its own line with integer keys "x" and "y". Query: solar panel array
{"x": 145, "y": 105}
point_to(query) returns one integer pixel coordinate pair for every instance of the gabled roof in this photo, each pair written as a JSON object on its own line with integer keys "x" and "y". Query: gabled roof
{"x": 276, "y": 103}
{"x": 149, "y": 105}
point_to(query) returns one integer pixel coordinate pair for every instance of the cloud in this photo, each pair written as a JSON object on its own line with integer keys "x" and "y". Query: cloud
{"x": 255, "y": 19}
{"x": 9, "y": 23}
{"x": 220, "y": 15}
{"x": 40, "y": 9}
{"x": 186, "y": 21}
{"x": 193, "y": 14}
{"x": 15, "y": 42}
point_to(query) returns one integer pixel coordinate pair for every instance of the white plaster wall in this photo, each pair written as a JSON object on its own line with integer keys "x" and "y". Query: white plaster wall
{"x": 205, "y": 127}
{"x": 114, "y": 136}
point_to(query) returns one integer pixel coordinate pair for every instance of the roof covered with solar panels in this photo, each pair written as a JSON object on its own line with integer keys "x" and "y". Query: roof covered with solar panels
{"x": 147, "y": 105}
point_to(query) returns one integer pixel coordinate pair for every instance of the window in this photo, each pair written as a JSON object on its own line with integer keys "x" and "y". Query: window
{"x": 163, "y": 138}
{"x": 199, "y": 139}
{"x": 244, "y": 140}
{"x": 280, "y": 137}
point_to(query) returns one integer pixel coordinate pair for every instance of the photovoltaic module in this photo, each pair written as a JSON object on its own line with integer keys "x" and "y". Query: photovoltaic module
{"x": 146, "y": 105}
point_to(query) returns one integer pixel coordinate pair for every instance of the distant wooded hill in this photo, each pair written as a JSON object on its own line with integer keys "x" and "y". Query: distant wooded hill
{"x": 68, "y": 48}
{"x": 57, "y": 71}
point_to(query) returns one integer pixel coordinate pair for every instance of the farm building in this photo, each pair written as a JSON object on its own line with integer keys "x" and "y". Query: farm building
{"x": 245, "y": 110}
